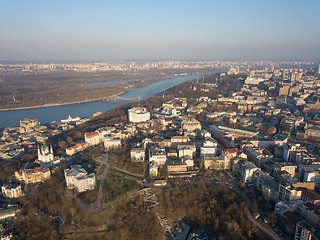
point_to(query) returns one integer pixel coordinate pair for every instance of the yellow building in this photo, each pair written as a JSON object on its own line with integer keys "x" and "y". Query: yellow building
{"x": 37, "y": 174}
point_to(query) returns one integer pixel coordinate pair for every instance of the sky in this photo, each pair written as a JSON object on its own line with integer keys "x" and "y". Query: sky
{"x": 160, "y": 29}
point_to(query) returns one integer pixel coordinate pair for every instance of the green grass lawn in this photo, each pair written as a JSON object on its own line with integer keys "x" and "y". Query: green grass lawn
{"x": 116, "y": 186}
{"x": 125, "y": 174}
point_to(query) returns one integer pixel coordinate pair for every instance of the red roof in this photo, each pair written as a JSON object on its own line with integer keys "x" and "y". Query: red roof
{"x": 233, "y": 150}
{"x": 313, "y": 207}
{"x": 77, "y": 145}
{"x": 91, "y": 134}
{"x": 34, "y": 170}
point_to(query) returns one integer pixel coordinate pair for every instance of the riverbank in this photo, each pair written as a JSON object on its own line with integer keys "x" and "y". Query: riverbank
{"x": 56, "y": 112}
{"x": 131, "y": 83}
{"x": 63, "y": 104}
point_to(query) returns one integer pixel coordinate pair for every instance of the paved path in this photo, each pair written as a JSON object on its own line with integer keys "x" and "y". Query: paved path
{"x": 102, "y": 177}
{"x": 97, "y": 206}
{"x": 130, "y": 173}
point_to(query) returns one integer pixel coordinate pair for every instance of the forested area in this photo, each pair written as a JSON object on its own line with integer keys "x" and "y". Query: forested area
{"x": 213, "y": 207}
{"x": 195, "y": 87}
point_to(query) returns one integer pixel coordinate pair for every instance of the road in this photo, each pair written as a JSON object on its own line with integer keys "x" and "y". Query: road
{"x": 268, "y": 231}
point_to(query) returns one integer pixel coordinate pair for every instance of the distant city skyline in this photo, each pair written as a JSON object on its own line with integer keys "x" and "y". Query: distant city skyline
{"x": 154, "y": 30}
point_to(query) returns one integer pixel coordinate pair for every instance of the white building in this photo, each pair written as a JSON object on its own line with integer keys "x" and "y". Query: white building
{"x": 170, "y": 112}
{"x": 186, "y": 150}
{"x": 229, "y": 154}
{"x": 289, "y": 193}
{"x": 137, "y": 154}
{"x": 177, "y": 140}
{"x": 11, "y": 190}
{"x": 312, "y": 176}
{"x": 190, "y": 124}
{"x": 45, "y": 154}
{"x": 290, "y": 151}
{"x": 46, "y": 157}
{"x": 254, "y": 80}
{"x": 70, "y": 119}
{"x": 105, "y": 131}
{"x": 209, "y": 147}
{"x": 247, "y": 172}
{"x": 111, "y": 143}
{"x": 188, "y": 161}
{"x": 157, "y": 155}
{"x": 77, "y": 178}
{"x": 92, "y": 138}
{"x": 138, "y": 114}
{"x": 305, "y": 231}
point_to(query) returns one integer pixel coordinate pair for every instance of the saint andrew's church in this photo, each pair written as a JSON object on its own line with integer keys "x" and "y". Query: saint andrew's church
{"x": 46, "y": 157}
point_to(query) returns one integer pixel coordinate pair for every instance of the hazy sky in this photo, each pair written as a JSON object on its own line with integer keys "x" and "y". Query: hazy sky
{"x": 159, "y": 29}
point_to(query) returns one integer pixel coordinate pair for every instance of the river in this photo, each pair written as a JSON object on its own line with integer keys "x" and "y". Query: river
{"x": 12, "y": 118}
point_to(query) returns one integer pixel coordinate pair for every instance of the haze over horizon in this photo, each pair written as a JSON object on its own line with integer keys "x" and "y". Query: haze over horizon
{"x": 114, "y": 30}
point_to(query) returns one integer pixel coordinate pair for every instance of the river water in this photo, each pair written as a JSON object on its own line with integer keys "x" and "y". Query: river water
{"x": 55, "y": 113}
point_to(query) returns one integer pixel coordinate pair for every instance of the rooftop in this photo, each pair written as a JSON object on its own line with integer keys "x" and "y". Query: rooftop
{"x": 75, "y": 170}
{"x": 243, "y": 129}
{"x": 313, "y": 207}
{"x": 233, "y": 150}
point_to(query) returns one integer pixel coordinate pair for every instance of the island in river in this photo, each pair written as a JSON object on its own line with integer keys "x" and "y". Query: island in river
{"x": 60, "y": 88}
